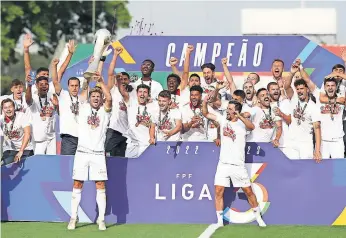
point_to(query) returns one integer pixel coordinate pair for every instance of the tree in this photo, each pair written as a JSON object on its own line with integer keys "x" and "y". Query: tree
{"x": 49, "y": 20}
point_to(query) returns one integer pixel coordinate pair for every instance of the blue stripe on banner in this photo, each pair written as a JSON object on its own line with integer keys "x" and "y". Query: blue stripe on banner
{"x": 339, "y": 171}
{"x": 306, "y": 52}
{"x": 119, "y": 70}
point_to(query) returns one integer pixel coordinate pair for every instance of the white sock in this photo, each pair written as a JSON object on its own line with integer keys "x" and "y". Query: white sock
{"x": 101, "y": 203}
{"x": 257, "y": 211}
{"x": 219, "y": 215}
{"x": 76, "y": 197}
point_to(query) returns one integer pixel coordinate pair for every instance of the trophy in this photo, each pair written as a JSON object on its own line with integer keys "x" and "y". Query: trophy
{"x": 102, "y": 41}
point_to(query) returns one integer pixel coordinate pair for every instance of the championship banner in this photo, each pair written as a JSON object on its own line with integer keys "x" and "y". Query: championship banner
{"x": 245, "y": 54}
{"x": 173, "y": 183}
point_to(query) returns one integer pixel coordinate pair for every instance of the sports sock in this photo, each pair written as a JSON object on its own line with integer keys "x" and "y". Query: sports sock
{"x": 76, "y": 197}
{"x": 101, "y": 203}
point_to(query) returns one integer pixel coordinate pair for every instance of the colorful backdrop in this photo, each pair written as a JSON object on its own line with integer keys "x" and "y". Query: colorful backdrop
{"x": 173, "y": 183}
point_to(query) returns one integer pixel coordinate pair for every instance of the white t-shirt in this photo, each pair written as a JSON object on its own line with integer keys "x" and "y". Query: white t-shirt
{"x": 137, "y": 132}
{"x": 342, "y": 90}
{"x": 119, "y": 121}
{"x": 20, "y": 104}
{"x": 194, "y": 134}
{"x": 233, "y": 141}
{"x": 13, "y": 136}
{"x": 303, "y": 115}
{"x": 264, "y": 121}
{"x": 285, "y": 107}
{"x": 92, "y": 127}
{"x": 167, "y": 122}
{"x": 155, "y": 87}
{"x": 331, "y": 126}
{"x": 43, "y": 118}
{"x": 68, "y": 119}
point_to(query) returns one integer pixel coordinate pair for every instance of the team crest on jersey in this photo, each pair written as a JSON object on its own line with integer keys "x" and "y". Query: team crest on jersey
{"x": 46, "y": 111}
{"x": 229, "y": 132}
{"x": 330, "y": 109}
{"x": 20, "y": 108}
{"x": 122, "y": 106}
{"x": 143, "y": 119}
{"x": 166, "y": 125}
{"x": 94, "y": 121}
{"x": 13, "y": 134}
{"x": 266, "y": 123}
{"x": 299, "y": 114}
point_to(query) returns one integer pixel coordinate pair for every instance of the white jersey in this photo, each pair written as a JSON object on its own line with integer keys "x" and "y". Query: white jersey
{"x": 20, "y": 105}
{"x": 14, "y": 132}
{"x": 233, "y": 141}
{"x": 92, "y": 126}
{"x": 68, "y": 112}
{"x": 285, "y": 108}
{"x": 43, "y": 118}
{"x": 139, "y": 117}
{"x": 119, "y": 121}
{"x": 331, "y": 119}
{"x": 341, "y": 92}
{"x": 167, "y": 122}
{"x": 194, "y": 134}
{"x": 264, "y": 121}
{"x": 155, "y": 87}
{"x": 303, "y": 115}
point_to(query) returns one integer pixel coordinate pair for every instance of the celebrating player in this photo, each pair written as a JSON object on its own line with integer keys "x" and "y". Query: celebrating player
{"x": 92, "y": 125}
{"x": 231, "y": 165}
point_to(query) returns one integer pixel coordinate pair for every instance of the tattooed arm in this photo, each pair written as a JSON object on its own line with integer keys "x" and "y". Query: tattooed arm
{"x": 278, "y": 133}
{"x": 317, "y": 130}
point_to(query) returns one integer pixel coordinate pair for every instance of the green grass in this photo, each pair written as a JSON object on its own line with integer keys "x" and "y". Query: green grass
{"x": 58, "y": 230}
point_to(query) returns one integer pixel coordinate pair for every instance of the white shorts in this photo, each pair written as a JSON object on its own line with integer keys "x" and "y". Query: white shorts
{"x": 47, "y": 147}
{"x": 134, "y": 150}
{"x": 299, "y": 150}
{"x": 333, "y": 149}
{"x": 92, "y": 164}
{"x": 227, "y": 172}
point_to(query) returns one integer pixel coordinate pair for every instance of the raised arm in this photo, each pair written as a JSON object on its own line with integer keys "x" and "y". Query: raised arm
{"x": 173, "y": 62}
{"x": 110, "y": 82}
{"x": 317, "y": 130}
{"x": 28, "y": 92}
{"x": 55, "y": 77}
{"x": 248, "y": 124}
{"x": 27, "y": 42}
{"x": 105, "y": 91}
{"x": 205, "y": 111}
{"x": 186, "y": 69}
{"x": 71, "y": 49}
{"x": 305, "y": 76}
{"x": 228, "y": 76}
{"x": 122, "y": 89}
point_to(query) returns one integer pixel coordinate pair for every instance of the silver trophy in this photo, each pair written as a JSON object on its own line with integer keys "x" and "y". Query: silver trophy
{"x": 102, "y": 41}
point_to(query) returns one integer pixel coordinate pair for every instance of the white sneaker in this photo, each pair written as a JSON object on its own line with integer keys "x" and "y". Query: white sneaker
{"x": 260, "y": 222}
{"x": 102, "y": 225}
{"x": 72, "y": 224}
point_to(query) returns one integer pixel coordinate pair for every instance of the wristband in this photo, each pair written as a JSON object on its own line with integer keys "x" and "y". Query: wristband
{"x": 103, "y": 58}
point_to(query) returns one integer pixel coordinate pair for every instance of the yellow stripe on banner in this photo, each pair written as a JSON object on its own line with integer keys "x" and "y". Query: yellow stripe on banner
{"x": 341, "y": 220}
{"x": 125, "y": 55}
{"x": 254, "y": 177}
